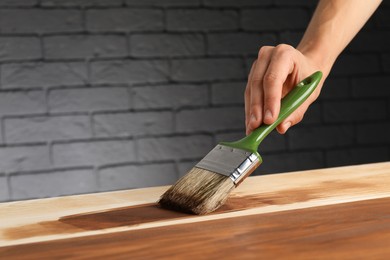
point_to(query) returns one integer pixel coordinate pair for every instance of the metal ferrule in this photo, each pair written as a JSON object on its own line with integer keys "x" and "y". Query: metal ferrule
{"x": 235, "y": 163}
{"x": 245, "y": 169}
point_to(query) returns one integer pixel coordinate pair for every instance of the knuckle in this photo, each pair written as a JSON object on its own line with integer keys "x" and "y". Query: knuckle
{"x": 284, "y": 49}
{"x": 263, "y": 51}
{"x": 270, "y": 77}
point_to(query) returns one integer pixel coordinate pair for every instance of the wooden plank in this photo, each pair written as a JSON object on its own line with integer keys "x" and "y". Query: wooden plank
{"x": 93, "y": 214}
{"x": 355, "y": 230}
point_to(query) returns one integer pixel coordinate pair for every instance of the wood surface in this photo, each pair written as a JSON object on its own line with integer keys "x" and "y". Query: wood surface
{"x": 328, "y": 213}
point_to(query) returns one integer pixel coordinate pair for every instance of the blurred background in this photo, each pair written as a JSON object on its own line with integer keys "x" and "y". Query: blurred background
{"x": 101, "y": 95}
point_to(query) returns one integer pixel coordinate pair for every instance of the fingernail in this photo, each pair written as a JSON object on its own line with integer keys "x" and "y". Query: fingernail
{"x": 253, "y": 118}
{"x": 268, "y": 114}
{"x": 287, "y": 125}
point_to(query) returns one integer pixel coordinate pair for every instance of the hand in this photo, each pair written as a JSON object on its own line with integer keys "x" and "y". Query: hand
{"x": 275, "y": 72}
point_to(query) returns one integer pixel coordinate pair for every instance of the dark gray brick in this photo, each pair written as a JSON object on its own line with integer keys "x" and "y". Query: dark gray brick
{"x": 199, "y": 70}
{"x": 85, "y": 46}
{"x": 46, "y": 128}
{"x": 166, "y": 45}
{"x": 170, "y": 96}
{"x": 19, "y": 48}
{"x": 356, "y": 64}
{"x": 77, "y": 3}
{"x": 385, "y": 4}
{"x": 386, "y": 62}
{"x": 96, "y": 153}
{"x": 228, "y": 93}
{"x": 354, "y": 111}
{"x": 273, "y": 142}
{"x": 209, "y": 120}
{"x": 185, "y": 167}
{"x": 235, "y": 3}
{"x": 24, "y": 158}
{"x": 320, "y": 137}
{"x": 374, "y": 133}
{"x": 274, "y": 19}
{"x": 238, "y": 43}
{"x": 248, "y": 64}
{"x": 335, "y": 88}
{"x": 382, "y": 17}
{"x": 291, "y": 37}
{"x": 371, "y": 86}
{"x": 51, "y": 184}
{"x": 133, "y": 124}
{"x": 124, "y": 20}
{"x": 25, "y": 75}
{"x": 201, "y": 20}
{"x": 230, "y": 136}
{"x": 137, "y": 176}
{"x": 4, "y": 193}
{"x": 309, "y": 3}
{"x": 174, "y": 148}
{"x": 165, "y": 3}
{"x": 294, "y": 161}
{"x": 176, "y": 33}
{"x": 40, "y": 21}
{"x": 18, "y": 2}
{"x": 356, "y": 156}
{"x": 129, "y": 71}
{"x": 370, "y": 41}
{"x": 88, "y": 99}
{"x": 22, "y": 102}
{"x": 313, "y": 115}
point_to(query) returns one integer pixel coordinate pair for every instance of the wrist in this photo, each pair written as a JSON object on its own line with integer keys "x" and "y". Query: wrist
{"x": 319, "y": 56}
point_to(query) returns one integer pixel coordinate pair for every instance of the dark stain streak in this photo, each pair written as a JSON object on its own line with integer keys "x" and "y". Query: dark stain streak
{"x": 127, "y": 216}
{"x": 146, "y": 213}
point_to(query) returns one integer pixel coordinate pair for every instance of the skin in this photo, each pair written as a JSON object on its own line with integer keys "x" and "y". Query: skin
{"x": 278, "y": 69}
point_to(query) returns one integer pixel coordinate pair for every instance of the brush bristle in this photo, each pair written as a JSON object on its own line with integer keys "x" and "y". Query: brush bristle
{"x": 199, "y": 191}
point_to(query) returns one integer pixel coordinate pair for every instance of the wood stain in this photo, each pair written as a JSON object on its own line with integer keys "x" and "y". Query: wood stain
{"x": 146, "y": 213}
{"x": 351, "y": 230}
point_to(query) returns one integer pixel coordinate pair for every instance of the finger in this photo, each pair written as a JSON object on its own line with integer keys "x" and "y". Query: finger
{"x": 293, "y": 119}
{"x": 247, "y": 97}
{"x": 254, "y": 99}
{"x": 256, "y": 86}
{"x": 247, "y": 105}
{"x": 280, "y": 67}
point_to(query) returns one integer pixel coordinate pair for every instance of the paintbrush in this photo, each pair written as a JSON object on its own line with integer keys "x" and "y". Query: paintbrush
{"x": 207, "y": 186}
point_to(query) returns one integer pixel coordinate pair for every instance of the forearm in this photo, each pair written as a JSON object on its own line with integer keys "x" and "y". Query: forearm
{"x": 333, "y": 25}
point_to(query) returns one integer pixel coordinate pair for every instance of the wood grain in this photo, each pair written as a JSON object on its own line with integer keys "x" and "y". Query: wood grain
{"x": 343, "y": 231}
{"x": 272, "y": 206}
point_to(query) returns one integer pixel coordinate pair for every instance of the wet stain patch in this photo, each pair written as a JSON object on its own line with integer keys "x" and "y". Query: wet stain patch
{"x": 147, "y": 213}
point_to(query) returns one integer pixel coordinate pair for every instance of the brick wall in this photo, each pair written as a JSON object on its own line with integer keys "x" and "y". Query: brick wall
{"x": 100, "y": 95}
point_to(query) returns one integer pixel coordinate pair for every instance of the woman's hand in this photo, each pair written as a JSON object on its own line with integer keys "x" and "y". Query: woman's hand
{"x": 275, "y": 72}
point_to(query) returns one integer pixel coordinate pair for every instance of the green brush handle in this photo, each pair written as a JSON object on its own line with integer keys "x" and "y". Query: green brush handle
{"x": 288, "y": 105}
